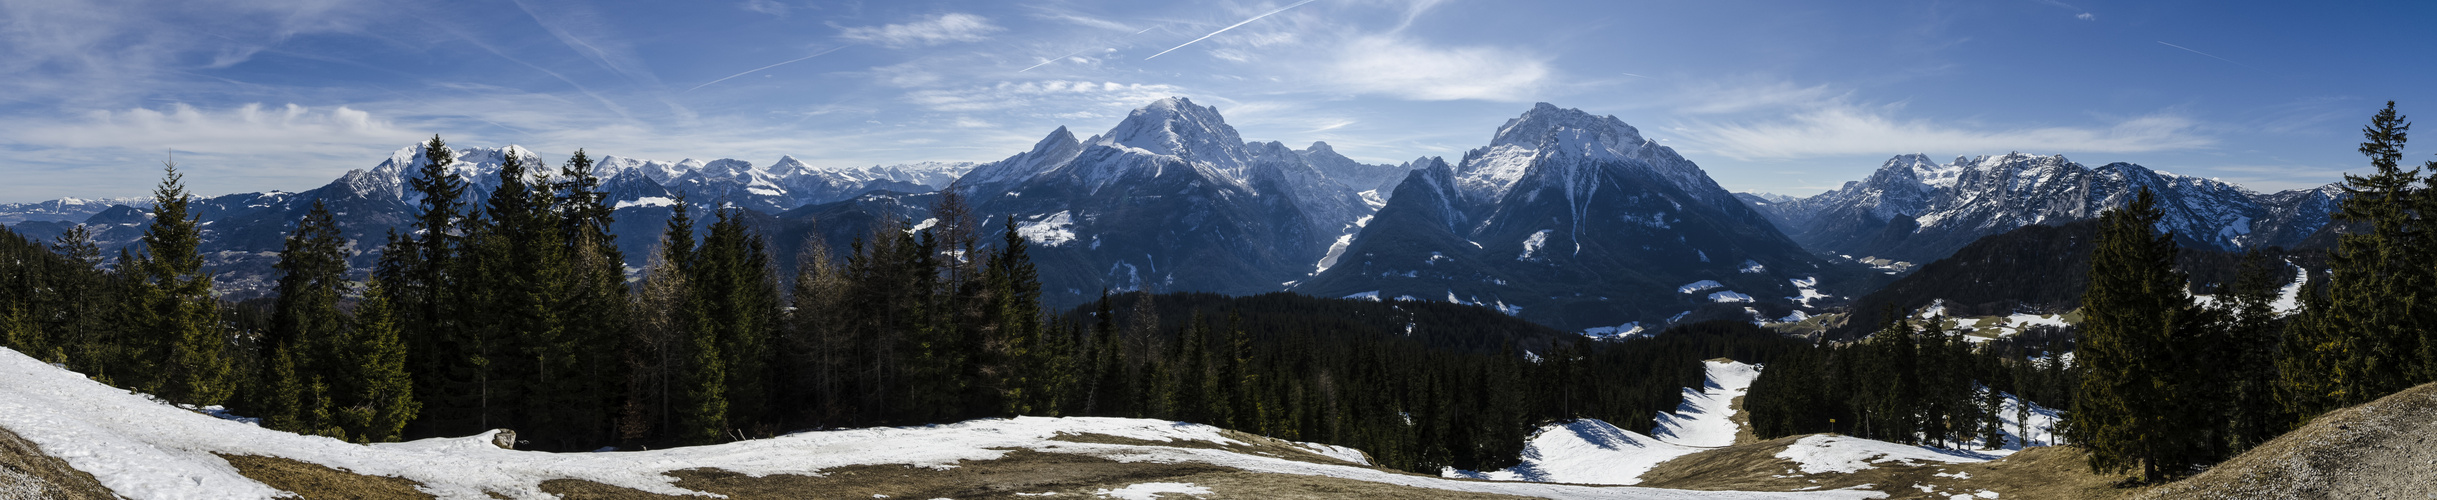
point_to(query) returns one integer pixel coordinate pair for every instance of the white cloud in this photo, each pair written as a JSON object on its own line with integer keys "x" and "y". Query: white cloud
{"x": 2085, "y": 16}
{"x": 1843, "y": 129}
{"x": 1081, "y": 20}
{"x": 1721, "y": 99}
{"x": 970, "y": 122}
{"x": 947, "y": 28}
{"x": 771, "y": 7}
{"x": 249, "y": 128}
{"x": 1406, "y": 68}
{"x": 1044, "y": 96}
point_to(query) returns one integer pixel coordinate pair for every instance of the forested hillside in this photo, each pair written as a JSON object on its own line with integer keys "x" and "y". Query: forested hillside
{"x": 512, "y": 313}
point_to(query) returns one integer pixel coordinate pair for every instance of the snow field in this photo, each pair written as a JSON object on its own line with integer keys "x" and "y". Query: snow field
{"x": 143, "y": 449}
{"x": 1823, "y": 453}
{"x": 1704, "y": 418}
{"x": 1590, "y": 451}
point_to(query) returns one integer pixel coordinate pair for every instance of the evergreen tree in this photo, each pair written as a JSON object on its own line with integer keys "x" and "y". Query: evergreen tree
{"x": 593, "y": 301}
{"x": 175, "y": 306}
{"x": 2139, "y": 328}
{"x": 421, "y": 268}
{"x": 2248, "y": 366}
{"x": 731, "y": 278}
{"x": 304, "y": 318}
{"x": 2379, "y": 294}
{"x": 373, "y": 392}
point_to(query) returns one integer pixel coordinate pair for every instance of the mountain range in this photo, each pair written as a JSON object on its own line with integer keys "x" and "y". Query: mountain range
{"x": 1565, "y": 218}
{"x": 1914, "y": 209}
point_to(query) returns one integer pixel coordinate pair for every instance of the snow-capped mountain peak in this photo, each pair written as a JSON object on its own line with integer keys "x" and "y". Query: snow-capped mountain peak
{"x": 1176, "y": 127}
{"x": 1912, "y": 209}
{"x": 1582, "y": 139}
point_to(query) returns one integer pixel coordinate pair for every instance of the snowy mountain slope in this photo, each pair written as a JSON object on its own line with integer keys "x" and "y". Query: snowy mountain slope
{"x": 1357, "y": 175}
{"x": 242, "y": 232}
{"x": 1568, "y": 219}
{"x": 143, "y": 449}
{"x": 1169, "y": 199}
{"x": 1913, "y": 209}
{"x": 63, "y": 209}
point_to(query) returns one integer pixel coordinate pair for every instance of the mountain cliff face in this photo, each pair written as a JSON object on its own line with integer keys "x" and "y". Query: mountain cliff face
{"x": 1170, "y": 199}
{"x": 1913, "y": 209}
{"x": 1575, "y": 221}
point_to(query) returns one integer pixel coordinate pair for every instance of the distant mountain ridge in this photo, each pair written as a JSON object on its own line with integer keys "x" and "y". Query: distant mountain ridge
{"x": 1572, "y": 220}
{"x": 1914, "y": 209}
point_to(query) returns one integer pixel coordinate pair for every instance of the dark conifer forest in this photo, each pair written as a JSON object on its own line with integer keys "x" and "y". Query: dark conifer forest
{"x": 513, "y": 311}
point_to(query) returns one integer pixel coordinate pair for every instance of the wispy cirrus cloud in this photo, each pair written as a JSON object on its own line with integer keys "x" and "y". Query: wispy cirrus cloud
{"x": 948, "y": 28}
{"x": 248, "y": 128}
{"x": 1397, "y": 66}
{"x": 1059, "y": 95}
{"x": 1845, "y": 129}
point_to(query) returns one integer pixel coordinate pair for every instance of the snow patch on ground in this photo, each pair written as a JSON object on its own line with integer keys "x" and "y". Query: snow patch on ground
{"x": 648, "y": 201}
{"x": 925, "y": 224}
{"x": 2289, "y": 298}
{"x": 1752, "y": 267}
{"x": 1699, "y": 286}
{"x": 1532, "y": 244}
{"x": 1152, "y": 491}
{"x": 1618, "y": 332}
{"x": 1825, "y": 453}
{"x": 1053, "y": 230}
{"x": 1370, "y": 296}
{"x": 1808, "y": 288}
{"x": 1729, "y": 296}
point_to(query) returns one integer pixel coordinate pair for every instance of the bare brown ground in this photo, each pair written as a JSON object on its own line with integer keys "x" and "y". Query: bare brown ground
{"x": 2379, "y": 449}
{"x": 1257, "y": 445}
{"x": 2039, "y": 473}
{"x": 1010, "y": 477}
{"x": 1743, "y": 422}
{"x": 26, "y": 473}
{"x": 317, "y": 482}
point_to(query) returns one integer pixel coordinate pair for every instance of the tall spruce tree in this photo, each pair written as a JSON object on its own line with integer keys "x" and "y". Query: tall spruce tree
{"x": 2248, "y": 364}
{"x": 593, "y": 301}
{"x": 305, "y": 320}
{"x": 374, "y": 395}
{"x": 2141, "y": 327}
{"x": 174, "y": 304}
{"x": 421, "y": 268}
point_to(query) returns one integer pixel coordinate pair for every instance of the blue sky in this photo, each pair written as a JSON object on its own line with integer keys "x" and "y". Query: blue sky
{"x": 1789, "y": 97}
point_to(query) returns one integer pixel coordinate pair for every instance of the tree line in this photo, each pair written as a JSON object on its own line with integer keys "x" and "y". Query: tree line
{"x": 1915, "y": 381}
{"x": 2164, "y": 383}
{"x": 514, "y": 311}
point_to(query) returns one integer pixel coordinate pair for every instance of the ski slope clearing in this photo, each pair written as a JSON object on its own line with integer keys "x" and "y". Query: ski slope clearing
{"x": 1586, "y": 451}
{"x": 1705, "y": 418}
{"x": 142, "y": 449}
{"x": 1590, "y": 451}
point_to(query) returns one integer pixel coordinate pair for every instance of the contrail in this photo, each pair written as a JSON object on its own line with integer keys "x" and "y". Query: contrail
{"x": 789, "y": 61}
{"x": 2209, "y": 55}
{"x": 1224, "y": 30}
{"x": 1052, "y": 60}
